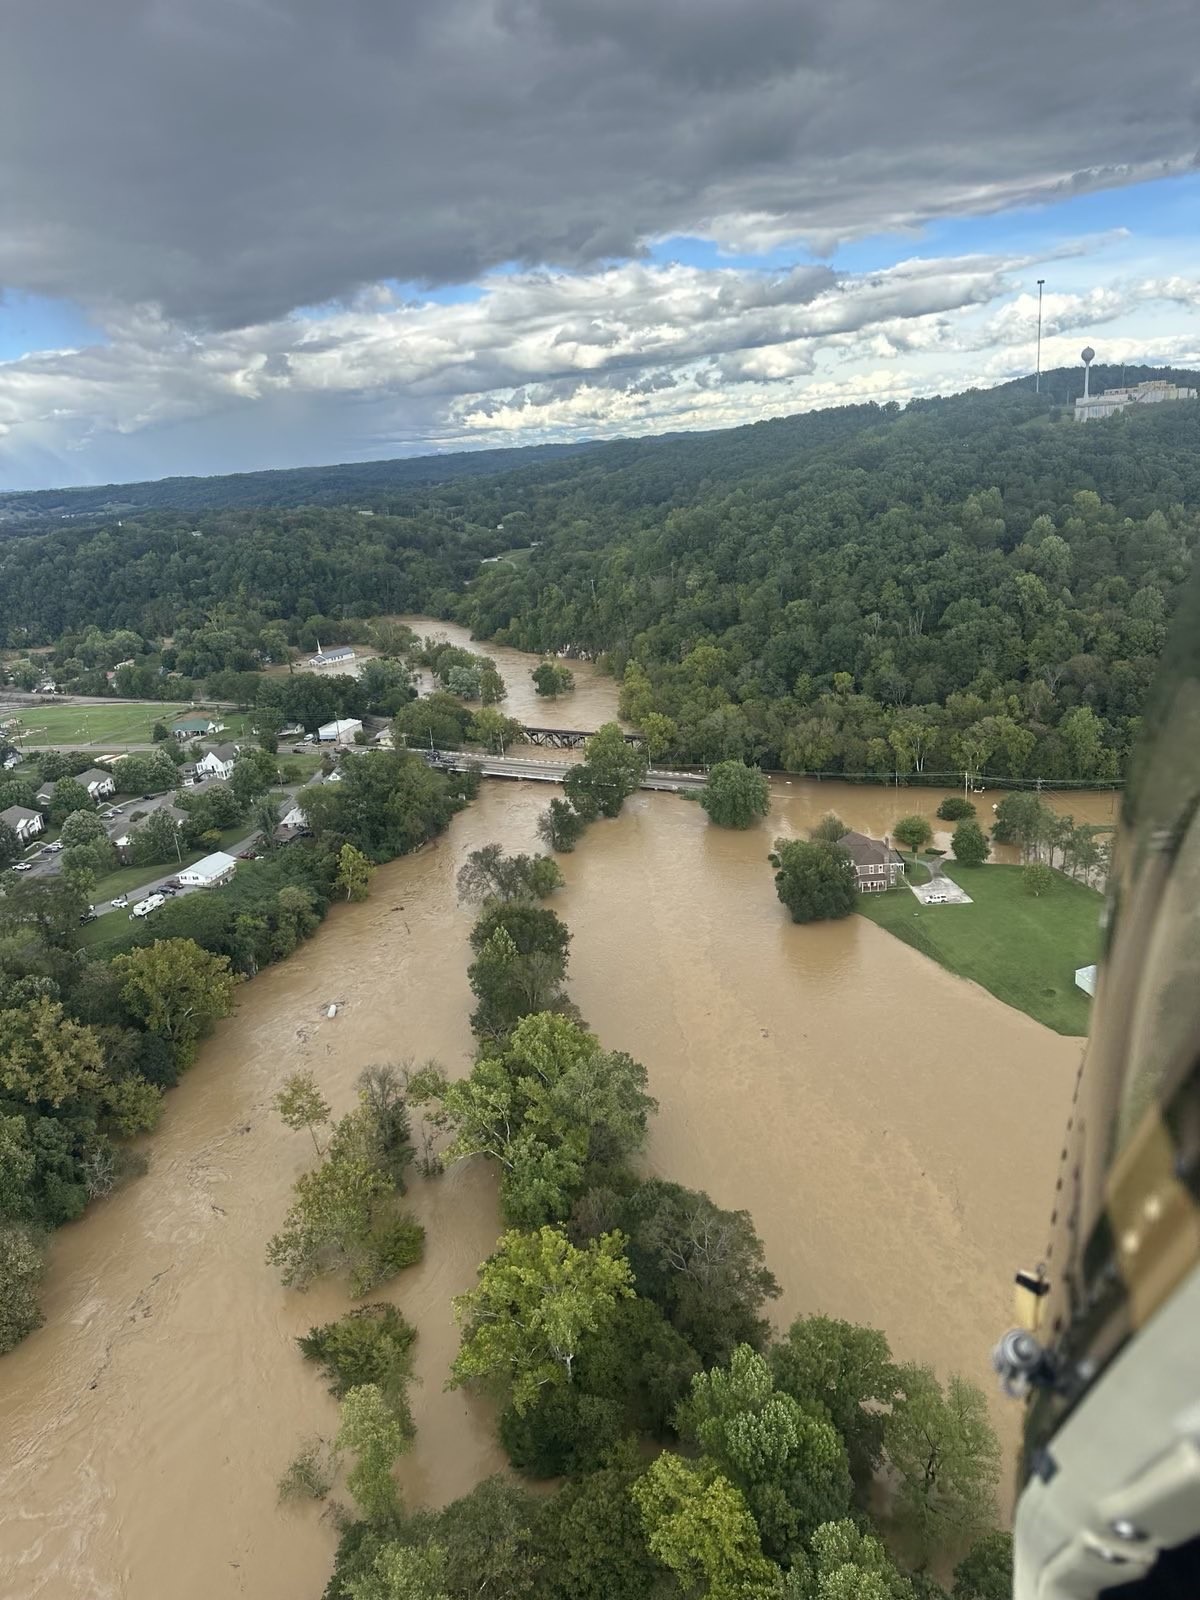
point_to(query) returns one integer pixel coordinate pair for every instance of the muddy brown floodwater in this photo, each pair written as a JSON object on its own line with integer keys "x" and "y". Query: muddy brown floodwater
{"x": 592, "y": 701}
{"x": 892, "y": 1129}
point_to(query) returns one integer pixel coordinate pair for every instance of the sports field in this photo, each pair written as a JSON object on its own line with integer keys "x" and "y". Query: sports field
{"x": 104, "y": 725}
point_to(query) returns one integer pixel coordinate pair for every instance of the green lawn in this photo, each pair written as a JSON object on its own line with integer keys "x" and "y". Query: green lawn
{"x": 105, "y": 725}
{"x": 306, "y": 764}
{"x": 1024, "y": 949}
{"x": 126, "y": 878}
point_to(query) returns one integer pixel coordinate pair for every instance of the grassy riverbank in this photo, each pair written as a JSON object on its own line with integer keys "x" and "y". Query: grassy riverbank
{"x": 1023, "y": 949}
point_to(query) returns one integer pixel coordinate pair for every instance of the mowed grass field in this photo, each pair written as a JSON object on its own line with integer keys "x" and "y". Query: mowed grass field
{"x": 1023, "y": 948}
{"x": 105, "y": 725}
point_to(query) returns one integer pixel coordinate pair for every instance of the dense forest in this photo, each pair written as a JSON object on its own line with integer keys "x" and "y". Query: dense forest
{"x": 361, "y": 481}
{"x": 971, "y": 585}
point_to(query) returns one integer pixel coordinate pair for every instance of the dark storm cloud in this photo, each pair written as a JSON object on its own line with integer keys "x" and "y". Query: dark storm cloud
{"x": 231, "y": 159}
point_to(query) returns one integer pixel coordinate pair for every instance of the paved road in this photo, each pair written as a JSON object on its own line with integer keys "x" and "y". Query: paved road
{"x": 550, "y": 771}
{"x": 44, "y": 864}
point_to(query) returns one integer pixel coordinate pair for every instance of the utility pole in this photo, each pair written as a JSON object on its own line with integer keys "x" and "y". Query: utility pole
{"x": 1038, "y": 381}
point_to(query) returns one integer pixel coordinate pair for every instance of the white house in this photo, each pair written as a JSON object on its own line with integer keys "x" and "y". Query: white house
{"x": 339, "y": 732}
{"x": 12, "y": 759}
{"x": 97, "y": 783}
{"x": 217, "y": 762}
{"x": 209, "y": 872}
{"x": 24, "y": 823}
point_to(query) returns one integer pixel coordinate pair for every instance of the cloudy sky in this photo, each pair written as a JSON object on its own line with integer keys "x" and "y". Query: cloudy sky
{"x": 244, "y": 233}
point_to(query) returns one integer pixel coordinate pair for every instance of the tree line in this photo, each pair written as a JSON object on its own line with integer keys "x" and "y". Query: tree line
{"x": 620, "y": 1325}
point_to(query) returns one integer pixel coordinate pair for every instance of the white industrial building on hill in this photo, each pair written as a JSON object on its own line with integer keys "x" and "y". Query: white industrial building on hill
{"x": 1152, "y": 393}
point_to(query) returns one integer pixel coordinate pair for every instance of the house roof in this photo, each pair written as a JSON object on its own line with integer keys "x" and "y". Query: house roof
{"x": 223, "y": 752}
{"x": 14, "y": 814}
{"x": 193, "y": 724}
{"x": 206, "y": 785}
{"x": 46, "y": 792}
{"x": 867, "y": 852}
{"x": 94, "y": 775}
{"x": 214, "y": 866}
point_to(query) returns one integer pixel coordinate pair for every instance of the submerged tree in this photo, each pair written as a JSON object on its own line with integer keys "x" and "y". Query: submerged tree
{"x": 489, "y": 874}
{"x": 551, "y": 678}
{"x": 735, "y": 795}
{"x": 816, "y": 881}
{"x": 537, "y": 1296}
{"x": 560, "y": 826}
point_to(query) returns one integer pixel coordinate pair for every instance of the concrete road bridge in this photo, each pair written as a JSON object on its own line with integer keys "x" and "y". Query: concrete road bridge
{"x": 541, "y": 771}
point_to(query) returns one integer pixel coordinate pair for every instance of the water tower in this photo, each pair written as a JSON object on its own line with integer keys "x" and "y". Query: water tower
{"x": 1087, "y": 356}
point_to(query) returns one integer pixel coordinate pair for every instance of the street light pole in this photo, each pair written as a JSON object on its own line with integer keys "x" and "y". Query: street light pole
{"x": 1037, "y": 389}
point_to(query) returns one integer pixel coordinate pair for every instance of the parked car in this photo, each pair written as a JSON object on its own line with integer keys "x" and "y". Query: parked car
{"x": 247, "y": 855}
{"x": 22, "y": 866}
{"x": 89, "y": 915}
{"x": 935, "y": 899}
{"x": 120, "y": 902}
{"x": 299, "y": 749}
{"x": 168, "y": 889}
{"x": 53, "y": 849}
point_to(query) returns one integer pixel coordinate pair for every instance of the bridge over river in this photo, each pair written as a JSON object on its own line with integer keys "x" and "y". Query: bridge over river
{"x": 569, "y": 738}
{"x": 548, "y": 771}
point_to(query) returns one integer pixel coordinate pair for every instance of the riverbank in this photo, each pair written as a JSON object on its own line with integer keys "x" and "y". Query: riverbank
{"x": 1024, "y": 949}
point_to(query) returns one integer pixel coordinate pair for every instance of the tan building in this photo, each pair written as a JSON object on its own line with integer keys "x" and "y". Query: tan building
{"x": 876, "y": 865}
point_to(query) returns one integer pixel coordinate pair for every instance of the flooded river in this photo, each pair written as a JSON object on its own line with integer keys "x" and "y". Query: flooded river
{"x": 592, "y": 701}
{"x": 892, "y": 1129}
{"x": 872, "y": 1112}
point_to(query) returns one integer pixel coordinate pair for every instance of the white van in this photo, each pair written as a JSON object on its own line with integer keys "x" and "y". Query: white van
{"x": 145, "y": 907}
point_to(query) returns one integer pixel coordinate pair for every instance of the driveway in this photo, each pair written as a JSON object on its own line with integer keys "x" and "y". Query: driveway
{"x": 947, "y": 892}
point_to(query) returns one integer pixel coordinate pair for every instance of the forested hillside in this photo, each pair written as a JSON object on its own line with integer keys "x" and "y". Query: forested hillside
{"x": 164, "y": 571}
{"x": 974, "y": 584}
{"x": 366, "y": 483}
